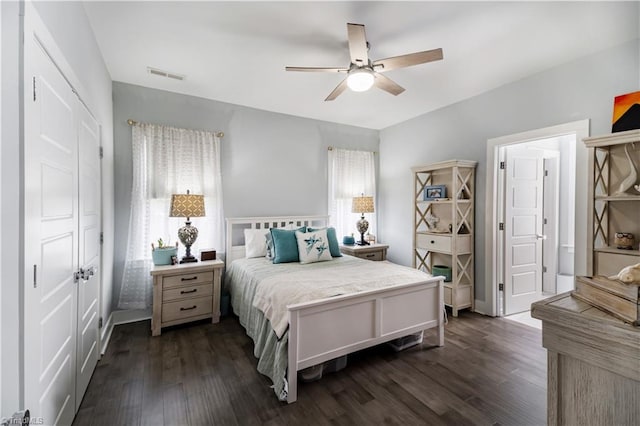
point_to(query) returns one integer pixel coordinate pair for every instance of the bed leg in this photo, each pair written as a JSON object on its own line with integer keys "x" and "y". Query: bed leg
{"x": 292, "y": 379}
{"x": 443, "y": 312}
{"x": 292, "y": 354}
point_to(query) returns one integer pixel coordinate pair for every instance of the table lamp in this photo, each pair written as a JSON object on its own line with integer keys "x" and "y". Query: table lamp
{"x": 187, "y": 205}
{"x": 362, "y": 205}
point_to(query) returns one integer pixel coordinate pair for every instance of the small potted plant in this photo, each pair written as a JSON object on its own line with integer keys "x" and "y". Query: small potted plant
{"x": 163, "y": 253}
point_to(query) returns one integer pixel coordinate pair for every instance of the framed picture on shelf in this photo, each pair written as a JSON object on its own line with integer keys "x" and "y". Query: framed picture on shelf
{"x": 434, "y": 192}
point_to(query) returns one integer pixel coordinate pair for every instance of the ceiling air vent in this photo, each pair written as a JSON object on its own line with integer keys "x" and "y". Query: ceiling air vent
{"x": 166, "y": 74}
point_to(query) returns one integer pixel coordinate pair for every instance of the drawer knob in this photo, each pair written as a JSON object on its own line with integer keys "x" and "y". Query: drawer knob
{"x": 433, "y": 242}
{"x": 189, "y": 279}
{"x": 371, "y": 255}
{"x": 188, "y": 309}
{"x": 188, "y": 291}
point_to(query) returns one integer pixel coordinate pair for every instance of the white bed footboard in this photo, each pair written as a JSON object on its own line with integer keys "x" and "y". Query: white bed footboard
{"x": 325, "y": 329}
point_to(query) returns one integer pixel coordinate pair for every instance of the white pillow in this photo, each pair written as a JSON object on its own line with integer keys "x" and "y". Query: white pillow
{"x": 255, "y": 242}
{"x": 313, "y": 246}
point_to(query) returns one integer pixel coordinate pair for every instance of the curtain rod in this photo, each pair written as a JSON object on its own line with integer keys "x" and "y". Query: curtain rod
{"x": 131, "y": 122}
{"x": 331, "y": 148}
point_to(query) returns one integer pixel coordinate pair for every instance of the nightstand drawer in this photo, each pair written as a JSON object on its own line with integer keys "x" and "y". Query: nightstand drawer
{"x": 180, "y": 293}
{"x": 172, "y": 311}
{"x": 375, "y": 255}
{"x": 187, "y": 279}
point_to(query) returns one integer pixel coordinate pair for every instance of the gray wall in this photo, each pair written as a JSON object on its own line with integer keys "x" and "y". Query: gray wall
{"x": 578, "y": 90}
{"x": 10, "y": 301}
{"x": 272, "y": 164}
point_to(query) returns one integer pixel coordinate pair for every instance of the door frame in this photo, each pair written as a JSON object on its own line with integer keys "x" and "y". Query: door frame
{"x": 580, "y": 128}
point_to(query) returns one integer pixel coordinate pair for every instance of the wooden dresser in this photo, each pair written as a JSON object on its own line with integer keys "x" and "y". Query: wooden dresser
{"x": 593, "y": 364}
{"x": 184, "y": 293}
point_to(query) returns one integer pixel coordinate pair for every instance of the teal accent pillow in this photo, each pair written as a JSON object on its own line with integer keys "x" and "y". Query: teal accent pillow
{"x": 334, "y": 246}
{"x": 285, "y": 244}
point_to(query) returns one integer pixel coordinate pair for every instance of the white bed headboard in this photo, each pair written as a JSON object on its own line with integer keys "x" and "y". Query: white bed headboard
{"x": 236, "y": 227}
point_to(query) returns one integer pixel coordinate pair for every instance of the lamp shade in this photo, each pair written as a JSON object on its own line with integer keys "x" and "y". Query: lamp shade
{"x": 187, "y": 205}
{"x": 362, "y": 205}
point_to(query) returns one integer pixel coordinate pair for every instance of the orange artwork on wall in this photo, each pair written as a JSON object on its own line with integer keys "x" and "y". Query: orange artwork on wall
{"x": 626, "y": 112}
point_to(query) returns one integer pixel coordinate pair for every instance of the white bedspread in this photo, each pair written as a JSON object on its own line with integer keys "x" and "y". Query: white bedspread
{"x": 299, "y": 283}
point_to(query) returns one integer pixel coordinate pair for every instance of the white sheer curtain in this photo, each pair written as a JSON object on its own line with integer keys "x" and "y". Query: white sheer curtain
{"x": 351, "y": 173}
{"x": 168, "y": 160}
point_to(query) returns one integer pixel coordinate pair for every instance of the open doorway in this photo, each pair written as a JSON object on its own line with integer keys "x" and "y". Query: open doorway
{"x": 531, "y": 221}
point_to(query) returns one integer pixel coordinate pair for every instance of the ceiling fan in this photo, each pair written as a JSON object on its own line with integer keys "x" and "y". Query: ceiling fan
{"x": 363, "y": 73}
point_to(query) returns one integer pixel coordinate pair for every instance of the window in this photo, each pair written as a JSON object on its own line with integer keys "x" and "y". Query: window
{"x": 351, "y": 174}
{"x": 168, "y": 160}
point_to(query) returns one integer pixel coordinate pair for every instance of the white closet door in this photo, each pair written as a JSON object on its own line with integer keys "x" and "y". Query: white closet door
{"x": 89, "y": 249}
{"x": 51, "y": 239}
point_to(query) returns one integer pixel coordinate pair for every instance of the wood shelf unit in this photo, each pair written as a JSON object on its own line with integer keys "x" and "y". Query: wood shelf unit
{"x": 609, "y": 210}
{"x": 453, "y": 249}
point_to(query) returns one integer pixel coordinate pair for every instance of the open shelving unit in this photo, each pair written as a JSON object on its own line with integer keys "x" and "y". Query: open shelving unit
{"x": 613, "y": 159}
{"x": 451, "y": 241}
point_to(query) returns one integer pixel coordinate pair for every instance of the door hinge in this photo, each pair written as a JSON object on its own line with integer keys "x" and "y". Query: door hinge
{"x": 35, "y": 276}
{"x": 546, "y": 173}
{"x": 34, "y": 89}
{"x": 544, "y": 269}
{"x": 500, "y": 287}
{"x": 101, "y": 152}
{"x": 102, "y": 238}
{"x": 501, "y": 226}
{"x": 502, "y": 165}
{"x": 100, "y": 322}
{"x": 545, "y": 220}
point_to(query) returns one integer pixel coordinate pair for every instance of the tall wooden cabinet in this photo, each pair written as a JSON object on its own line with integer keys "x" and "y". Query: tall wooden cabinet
{"x": 614, "y": 204}
{"x": 444, "y": 227}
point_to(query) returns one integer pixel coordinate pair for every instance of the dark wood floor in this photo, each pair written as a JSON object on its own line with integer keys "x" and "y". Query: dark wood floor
{"x": 490, "y": 371}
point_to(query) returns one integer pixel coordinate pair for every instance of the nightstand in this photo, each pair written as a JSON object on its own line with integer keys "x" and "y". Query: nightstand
{"x": 370, "y": 252}
{"x": 184, "y": 293}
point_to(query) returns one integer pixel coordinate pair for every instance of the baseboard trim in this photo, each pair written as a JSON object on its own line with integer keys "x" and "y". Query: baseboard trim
{"x": 482, "y": 308}
{"x": 131, "y": 315}
{"x": 105, "y": 336}
{"x": 121, "y": 317}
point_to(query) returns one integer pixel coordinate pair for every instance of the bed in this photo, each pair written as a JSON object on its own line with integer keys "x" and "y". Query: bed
{"x": 322, "y": 325}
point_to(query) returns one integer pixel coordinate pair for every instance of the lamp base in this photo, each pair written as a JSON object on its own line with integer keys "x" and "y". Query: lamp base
{"x": 362, "y": 225}
{"x": 362, "y": 242}
{"x": 187, "y": 235}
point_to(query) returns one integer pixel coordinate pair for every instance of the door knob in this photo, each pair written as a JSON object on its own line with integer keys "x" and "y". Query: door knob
{"x": 541, "y": 237}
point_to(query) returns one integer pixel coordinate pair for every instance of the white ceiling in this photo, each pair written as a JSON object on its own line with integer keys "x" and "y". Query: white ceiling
{"x": 236, "y": 51}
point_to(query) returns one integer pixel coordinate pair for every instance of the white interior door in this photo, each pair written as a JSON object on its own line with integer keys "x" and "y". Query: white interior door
{"x": 523, "y": 228}
{"x": 51, "y": 239}
{"x": 89, "y": 249}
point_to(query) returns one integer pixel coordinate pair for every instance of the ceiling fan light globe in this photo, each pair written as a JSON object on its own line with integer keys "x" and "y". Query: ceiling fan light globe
{"x": 360, "y": 80}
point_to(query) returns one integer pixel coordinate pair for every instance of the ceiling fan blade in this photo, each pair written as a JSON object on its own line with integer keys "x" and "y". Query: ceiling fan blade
{"x": 337, "y": 91}
{"x": 408, "y": 60}
{"x": 357, "y": 44}
{"x": 386, "y": 84}
{"x": 316, "y": 69}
